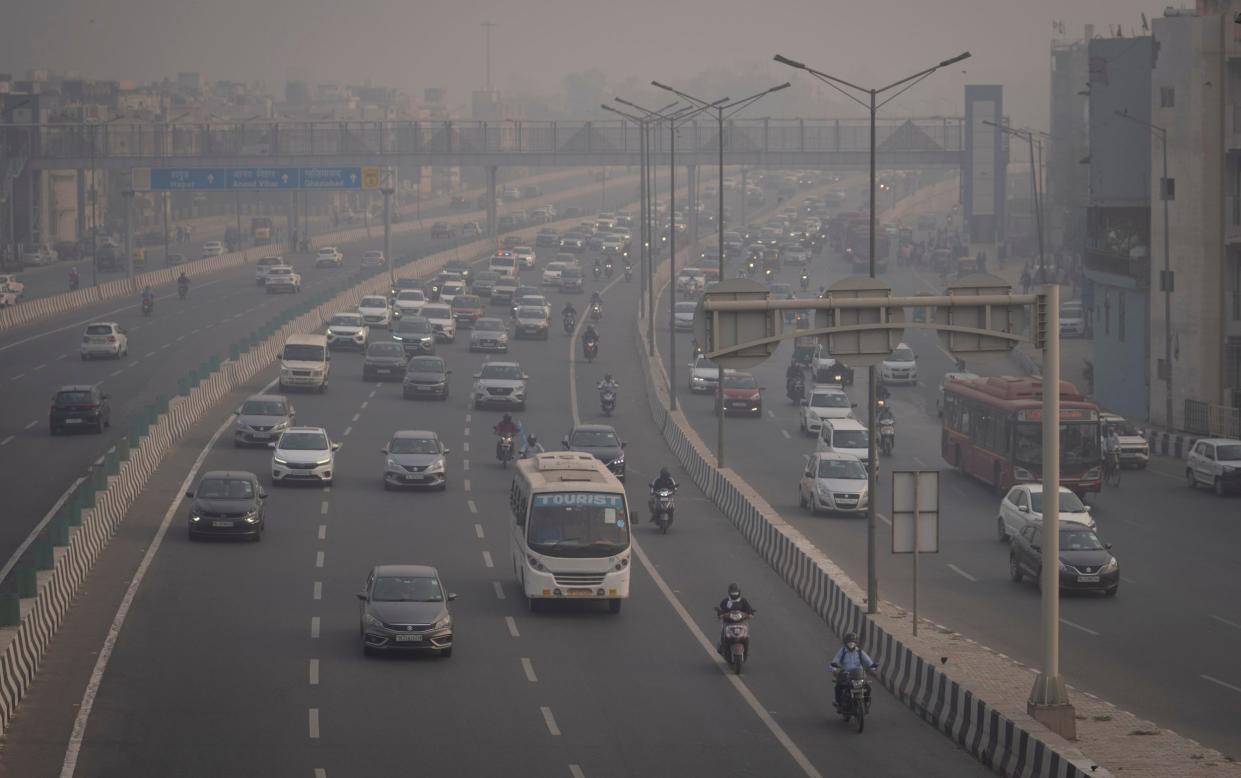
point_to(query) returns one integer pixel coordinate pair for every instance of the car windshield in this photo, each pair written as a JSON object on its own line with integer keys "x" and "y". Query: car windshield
{"x": 702, "y": 363}
{"x": 902, "y": 355}
{"x": 414, "y": 325}
{"x": 1074, "y": 539}
{"x": 502, "y": 372}
{"x": 850, "y": 469}
{"x": 426, "y": 365}
{"x": 414, "y": 446}
{"x": 489, "y": 325}
{"x": 437, "y": 312}
{"x": 73, "y": 398}
{"x": 1069, "y": 503}
{"x": 225, "y": 489}
{"x": 373, "y": 302}
{"x": 571, "y": 272}
{"x": 1079, "y": 443}
{"x": 1123, "y": 427}
{"x": 1228, "y": 453}
{"x": 411, "y": 295}
{"x": 385, "y": 350}
{"x": 467, "y": 301}
{"x": 594, "y": 438}
{"x": 740, "y": 382}
{"x": 531, "y": 312}
{"x": 850, "y": 439}
{"x": 486, "y": 275}
{"x": 686, "y": 307}
{"x": 264, "y": 408}
{"x": 279, "y": 271}
{"x": 372, "y": 254}
{"x": 303, "y": 353}
{"x": 99, "y": 329}
{"x": 829, "y": 400}
{"x": 403, "y": 588}
{"x": 346, "y": 320}
{"x": 303, "y": 441}
{"x": 578, "y": 524}
{"x": 531, "y": 300}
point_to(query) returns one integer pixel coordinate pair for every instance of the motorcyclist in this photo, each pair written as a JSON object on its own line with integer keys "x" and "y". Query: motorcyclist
{"x": 183, "y": 283}
{"x": 568, "y": 310}
{"x": 590, "y": 335}
{"x": 74, "y": 278}
{"x": 505, "y": 428}
{"x": 596, "y": 298}
{"x": 849, "y": 657}
{"x": 532, "y": 447}
{"x": 608, "y": 384}
{"x": 733, "y": 602}
{"x": 664, "y": 481}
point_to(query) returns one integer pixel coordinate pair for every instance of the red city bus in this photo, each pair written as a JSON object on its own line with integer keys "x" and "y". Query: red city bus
{"x": 993, "y": 430}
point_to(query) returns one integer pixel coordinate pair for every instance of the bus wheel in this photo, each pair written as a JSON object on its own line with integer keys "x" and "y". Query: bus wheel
{"x": 614, "y": 605}
{"x": 999, "y": 479}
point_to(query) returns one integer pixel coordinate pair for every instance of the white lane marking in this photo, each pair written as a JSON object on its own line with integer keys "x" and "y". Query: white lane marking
{"x": 1128, "y": 580}
{"x": 1087, "y": 630}
{"x": 357, "y": 416}
{"x": 529, "y": 670}
{"x": 1223, "y": 620}
{"x": 347, "y": 431}
{"x": 62, "y": 356}
{"x": 314, "y": 627}
{"x": 195, "y": 332}
{"x": 323, "y": 507}
{"x": 320, "y": 772}
{"x": 465, "y": 484}
{"x": 918, "y": 461}
{"x": 373, "y": 391}
{"x": 31, "y": 425}
{"x": 708, "y": 648}
{"x": 465, "y": 464}
{"x": 179, "y": 338}
{"x": 314, "y": 723}
{"x": 465, "y": 446}
{"x": 576, "y": 771}
{"x": 37, "y": 368}
{"x": 512, "y": 626}
{"x": 771, "y": 413}
{"x": 322, "y": 531}
{"x": 318, "y": 593}
{"x": 467, "y": 430}
{"x": 498, "y": 589}
{"x": 6, "y": 441}
{"x": 115, "y": 373}
{"x": 135, "y": 362}
{"x": 365, "y": 403}
{"x": 318, "y": 559}
{"x": 78, "y": 734}
{"x": 467, "y": 418}
{"x": 962, "y": 573}
{"x": 487, "y": 559}
{"x": 150, "y": 354}
{"x": 18, "y": 376}
{"x": 166, "y": 345}
{"x": 550, "y": 721}
{"x": 478, "y": 531}
{"x": 1218, "y": 682}
{"x": 474, "y": 509}
{"x": 883, "y": 518}
{"x": 314, "y": 672}
{"x": 785, "y": 433}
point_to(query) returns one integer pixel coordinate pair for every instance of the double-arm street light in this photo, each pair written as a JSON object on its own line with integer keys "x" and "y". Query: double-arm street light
{"x": 731, "y": 107}
{"x": 1165, "y": 282}
{"x": 1028, "y": 136}
{"x": 872, "y": 105}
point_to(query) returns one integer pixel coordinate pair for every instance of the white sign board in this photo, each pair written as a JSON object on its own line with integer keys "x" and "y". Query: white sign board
{"x": 915, "y": 493}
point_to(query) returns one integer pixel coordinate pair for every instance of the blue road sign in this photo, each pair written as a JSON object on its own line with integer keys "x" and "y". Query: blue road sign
{"x": 197, "y": 178}
{"x": 243, "y": 179}
{"x": 331, "y": 178}
{"x": 260, "y": 178}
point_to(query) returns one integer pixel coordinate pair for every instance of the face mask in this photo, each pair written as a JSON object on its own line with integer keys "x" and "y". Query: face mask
{"x": 851, "y": 646}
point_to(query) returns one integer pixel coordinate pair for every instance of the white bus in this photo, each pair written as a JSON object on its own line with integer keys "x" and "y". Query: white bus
{"x": 570, "y": 532}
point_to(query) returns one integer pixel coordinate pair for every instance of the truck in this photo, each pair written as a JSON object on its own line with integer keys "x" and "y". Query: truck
{"x": 262, "y": 230}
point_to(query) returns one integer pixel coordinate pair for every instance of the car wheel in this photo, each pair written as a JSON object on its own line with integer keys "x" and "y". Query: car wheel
{"x": 444, "y": 485}
{"x": 1014, "y": 570}
{"x": 1001, "y": 531}
{"x": 534, "y": 604}
{"x": 801, "y": 498}
{"x": 1111, "y": 592}
{"x": 614, "y": 605}
{"x": 189, "y": 534}
{"x": 387, "y": 486}
{"x": 367, "y": 650}
{"x": 1219, "y": 487}
{"x": 446, "y": 652}
{"x": 1189, "y": 477}
{"x": 323, "y": 388}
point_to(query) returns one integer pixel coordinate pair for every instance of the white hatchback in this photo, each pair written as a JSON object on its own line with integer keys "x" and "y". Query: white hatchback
{"x": 833, "y": 482}
{"x": 1023, "y": 505}
{"x": 212, "y": 248}
{"x": 375, "y": 311}
{"x": 104, "y": 339}
{"x": 440, "y": 318}
{"x": 824, "y": 402}
{"x": 901, "y": 366}
{"x": 551, "y": 273}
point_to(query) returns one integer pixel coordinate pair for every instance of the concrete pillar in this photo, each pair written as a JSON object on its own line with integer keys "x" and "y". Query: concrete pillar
{"x": 491, "y": 200}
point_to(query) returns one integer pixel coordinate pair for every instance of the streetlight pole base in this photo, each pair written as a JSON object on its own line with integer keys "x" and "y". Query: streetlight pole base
{"x": 1049, "y": 705}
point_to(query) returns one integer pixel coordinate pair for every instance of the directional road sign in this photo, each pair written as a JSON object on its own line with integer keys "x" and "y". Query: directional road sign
{"x": 243, "y": 179}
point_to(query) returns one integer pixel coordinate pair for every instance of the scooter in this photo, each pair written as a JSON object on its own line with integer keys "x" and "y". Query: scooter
{"x": 590, "y": 349}
{"x": 148, "y": 306}
{"x": 596, "y": 311}
{"x": 570, "y": 323}
{"x": 736, "y": 637}
{"x": 597, "y": 272}
{"x": 628, "y": 273}
{"x": 607, "y": 401}
{"x": 887, "y": 436}
{"x": 505, "y": 450}
{"x": 856, "y": 701}
{"x": 607, "y": 269}
{"x": 662, "y": 509}
{"x": 805, "y": 282}
{"x": 796, "y": 390}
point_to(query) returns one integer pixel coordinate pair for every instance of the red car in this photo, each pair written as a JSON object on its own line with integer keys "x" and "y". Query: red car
{"x": 467, "y": 309}
{"x": 742, "y": 394}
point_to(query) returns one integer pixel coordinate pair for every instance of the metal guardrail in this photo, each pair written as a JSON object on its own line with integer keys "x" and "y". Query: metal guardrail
{"x": 938, "y": 136}
{"x": 1217, "y": 421}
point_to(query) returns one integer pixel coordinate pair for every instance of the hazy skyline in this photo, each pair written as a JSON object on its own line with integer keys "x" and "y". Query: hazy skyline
{"x": 536, "y": 44}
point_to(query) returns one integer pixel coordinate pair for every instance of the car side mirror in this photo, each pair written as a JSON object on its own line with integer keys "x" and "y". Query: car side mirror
{"x": 1023, "y": 508}
{"x": 361, "y": 596}
{"x": 624, "y": 443}
{"x": 446, "y": 451}
{"x": 478, "y": 375}
{"x": 335, "y": 446}
{"x": 525, "y": 377}
{"x": 1036, "y": 546}
{"x": 1107, "y": 546}
{"x": 564, "y": 442}
{"x": 189, "y": 494}
{"x": 329, "y": 358}
{"x": 449, "y": 372}
{"x": 383, "y": 450}
{"x": 451, "y": 596}
{"x": 853, "y": 405}
{"x": 271, "y": 444}
{"x": 1088, "y": 509}
{"x": 262, "y": 494}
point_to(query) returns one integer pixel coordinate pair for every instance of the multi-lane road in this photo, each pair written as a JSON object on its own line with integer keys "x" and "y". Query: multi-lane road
{"x": 244, "y": 659}
{"x": 1165, "y": 648}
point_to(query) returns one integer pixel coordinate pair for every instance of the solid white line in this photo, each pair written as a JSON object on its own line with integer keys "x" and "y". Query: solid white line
{"x": 487, "y": 559}
{"x": 78, "y": 735}
{"x": 318, "y": 595}
{"x": 498, "y": 589}
{"x": 473, "y": 509}
{"x": 465, "y": 484}
{"x": 962, "y": 573}
{"x": 318, "y": 559}
{"x": 314, "y": 723}
{"x": 31, "y": 425}
{"x": 314, "y": 672}
{"x": 314, "y": 627}
{"x": 785, "y": 433}
{"x": 322, "y": 531}
{"x": 576, "y": 772}
{"x": 1218, "y": 682}
{"x": 512, "y": 626}
{"x": 550, "y": 721}
{"x": 1223, "y": 620}
{"x": 478, "y": 530}
{"x": 6, "y": 441}
{"x": 1087, "y": 630}
{"x": 323, "y": 506}
{"x": 529, "y": 668}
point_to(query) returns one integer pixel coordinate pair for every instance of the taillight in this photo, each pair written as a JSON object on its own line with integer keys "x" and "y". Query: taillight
{"x": 111, "y": 338}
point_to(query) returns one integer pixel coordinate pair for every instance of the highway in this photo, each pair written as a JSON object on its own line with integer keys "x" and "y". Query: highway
{"x": 220, "y": 310}
{"x": 1173, "y": 633}
{"x": 244, "y": 659}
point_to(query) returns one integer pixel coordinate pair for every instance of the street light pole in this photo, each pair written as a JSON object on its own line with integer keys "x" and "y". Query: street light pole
{"x": 1028, "y": 136}
{"x": 387, "y": 193}
{"x": 872, "y": 105}
{"x": 128, "y": 199}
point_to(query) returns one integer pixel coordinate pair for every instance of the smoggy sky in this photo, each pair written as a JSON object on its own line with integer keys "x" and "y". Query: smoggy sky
{"x": 413, "y": 44}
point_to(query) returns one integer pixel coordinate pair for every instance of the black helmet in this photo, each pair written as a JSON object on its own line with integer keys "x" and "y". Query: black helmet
{"x": 532, "y": 439}
{"x": 734, "y": 591}
{"x": 850, "y": 637}
{"x": 663, "y": 473}
{"x": 607, "y": 376}
{"x": 507, "y": 417}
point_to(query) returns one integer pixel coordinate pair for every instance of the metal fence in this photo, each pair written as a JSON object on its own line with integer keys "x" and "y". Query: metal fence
{"x": 1217, "y": 421}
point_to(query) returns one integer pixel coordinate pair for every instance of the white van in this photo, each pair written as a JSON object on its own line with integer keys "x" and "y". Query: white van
{"x": 844, "y": 436}
{"x": 305, "y": 363}
{"x": 504, "y": 263}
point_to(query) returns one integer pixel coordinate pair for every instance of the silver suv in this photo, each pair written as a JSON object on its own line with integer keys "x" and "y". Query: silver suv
{"x": 502, "y": 384}
{"x": 1215, "y": 462}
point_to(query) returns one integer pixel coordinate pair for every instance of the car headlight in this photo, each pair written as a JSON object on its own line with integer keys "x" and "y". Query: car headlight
{"x": 444, "y": 622}
{"x": 535, "y": 563}
{"x": 278, "y": 461}
{"x": 241, "y": 425}
{"x": 195, "y": 517}
{"x": 1063, "y": 567}
{"x": 392, "y": 464}
{"x": 251, "y": 518}
{"x": 371, "y": 621}
{"x": 1111, "y": 566}
{"x": 331, "y": 333}
{"x": 323, "y": 462}
{"x": 438, "y": 467}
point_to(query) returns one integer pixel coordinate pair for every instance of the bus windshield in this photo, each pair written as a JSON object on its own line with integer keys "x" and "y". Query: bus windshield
{"x": 578, "y": 524}
{"x": 1079, "y": 443}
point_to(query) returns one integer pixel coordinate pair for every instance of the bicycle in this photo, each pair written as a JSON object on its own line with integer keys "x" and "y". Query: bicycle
{"x": 1111, "y": 470}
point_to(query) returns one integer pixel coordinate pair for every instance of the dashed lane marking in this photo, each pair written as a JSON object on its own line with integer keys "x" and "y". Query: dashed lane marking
{"x": 314, "y": 627}
{"x": 37, "y": 368}
{"x": 322, "y": 532}
{"x": 115, "y": 373}
{"x": 499, "y": 590}
{"x": 550, "y": 721}
{"x": 576, "y": 772}
{"x": 150, "y": 354}
{"x": 962, "y": 573}
{"x": 467, "y": 432}
{"x": 314, "y": 672}
{"x": 465, "y": 464}
{"x": 467, "y": 419}
{"x": 6, "y": 441}
{"x": 465, "y": 446}
{"x": 320, "y": 772}
{"x": 323, "y": 507}
{"x": 314, "y": 723}
{"x": 62, "y": 356}
{"x": 478, "y": 531}
{"x": 465, "y": 484}
{"x": 785, "y": 433}
{"x": 318, "y": 559}
{"x": 487, "y": 559}
{"x": 17, "y": 377}
{"x": 357, "y": 416}
{"x": 318, "y": 593}
{"x": 1087, "y": 630}
{"x": 474, "y": 509}
{"x": 31, "y": 425}
{"x": 528, "y": 668}
{"x": 365, "y": 403}
{"x": 511, "y": 623}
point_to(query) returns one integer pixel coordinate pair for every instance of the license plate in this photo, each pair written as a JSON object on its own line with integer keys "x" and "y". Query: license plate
{"x": 581, "y": 592}
{"x": 221, "y": 524}
{"x": 426, "y": 388}
{"x": 98, "y": 340}
{"x": 1087, "y": 579}
{"x": 409, "y": 638}
{"x": 73, "y": 421}
{"x": 412, "y": 477}
{"x": 384, "y": 370}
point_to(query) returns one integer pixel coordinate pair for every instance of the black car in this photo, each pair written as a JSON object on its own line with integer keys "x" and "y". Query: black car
{"x": 461, "y": 267}
{"x": 415, "y": 335}
{"x": 426, "y": 377}
{"x": 1086, "y": 563}
{"x": 404, "y": 283}
{"x": 484, "y": 282}
{"x": 384, "y": 359}
{"x": 227, "y": 503}
{"x": 79, "y": 407}
{"x": 405, "y": 608}
{"x": 600, "y": 440}
{"x": 442, "y": 230}
{"x": 547, "y": 238}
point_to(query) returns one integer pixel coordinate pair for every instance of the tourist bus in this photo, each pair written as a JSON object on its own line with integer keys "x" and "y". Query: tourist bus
{"x": 570, "y": 535}
{"x": 993, "y": 431}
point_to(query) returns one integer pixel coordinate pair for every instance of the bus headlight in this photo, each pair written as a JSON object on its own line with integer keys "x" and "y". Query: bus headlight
{"x": 621, "y": 564}
{"x": 535, "y": 563}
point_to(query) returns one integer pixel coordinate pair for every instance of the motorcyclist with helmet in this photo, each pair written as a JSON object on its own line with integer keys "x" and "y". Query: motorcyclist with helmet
{"x": 733, "y": 602}
{"x": 849, "y": 657}
{"x": 505, "y": 428}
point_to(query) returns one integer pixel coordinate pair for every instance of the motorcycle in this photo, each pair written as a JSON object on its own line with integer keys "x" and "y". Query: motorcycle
{"x": 73, "y": 283}
{"x": 662, "y": 508}
{"x": 887, "y": 436}
{"x": 856, "y": 700}
{"x": 628, "y": 273}
{"x": 183, "y": 290}
{"x": 590, "y": 349}
{"x": 148, "y": 306}
{"x": 597, "y": 272}
{"x": 769, "y": 275}
{"x": 607, "y": 401}
{"x": 504, "y": 449}
{"x": 570, "y": 323}
{"x": 805, "y": 282}
{"x": 596, "y": 311}
{"x": 796, "y": 389}
{"x": 736, "y": 637}
{"x": 607, "y": 269}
